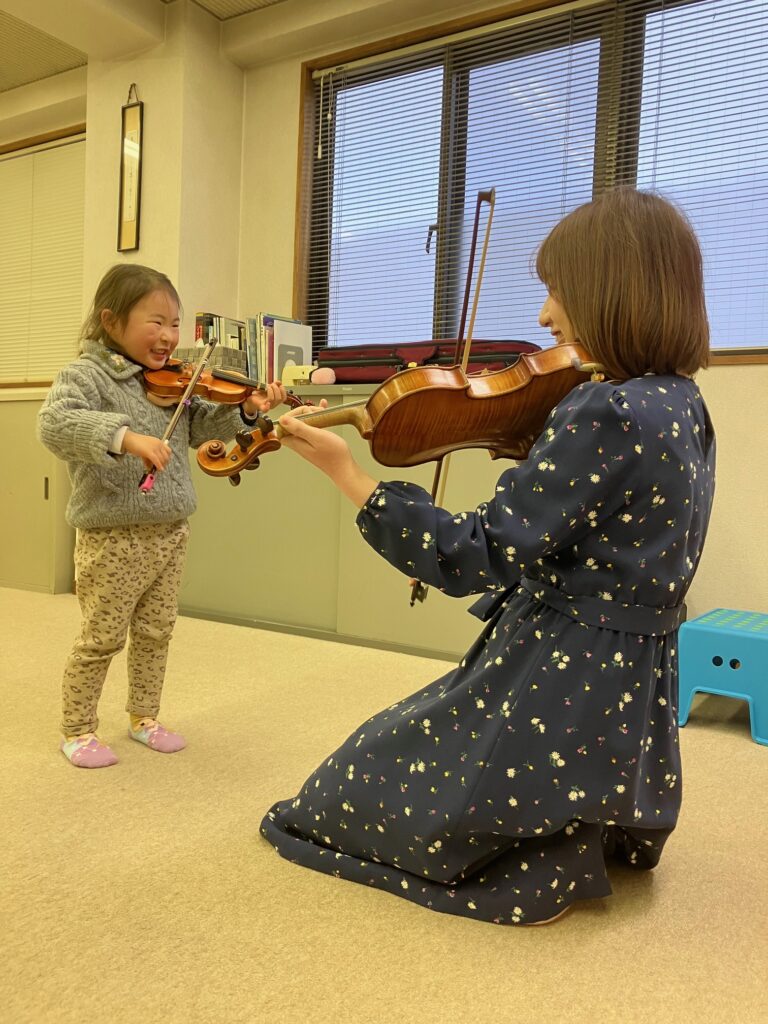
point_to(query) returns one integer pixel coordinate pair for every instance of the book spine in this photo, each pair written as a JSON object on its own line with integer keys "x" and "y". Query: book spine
{"x": 269, "y": 325}
{"x": 252, "y": 336}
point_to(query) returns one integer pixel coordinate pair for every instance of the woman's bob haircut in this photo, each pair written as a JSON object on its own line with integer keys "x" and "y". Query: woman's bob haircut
{"x": 627, "y": 270}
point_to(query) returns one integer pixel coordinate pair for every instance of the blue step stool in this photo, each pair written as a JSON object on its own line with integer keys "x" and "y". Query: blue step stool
{"x": 726, "y": 652}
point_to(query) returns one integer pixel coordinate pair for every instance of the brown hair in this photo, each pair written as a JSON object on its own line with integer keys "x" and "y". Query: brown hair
{"x": 627, "y": 270}
{"x": 119, "y": 290}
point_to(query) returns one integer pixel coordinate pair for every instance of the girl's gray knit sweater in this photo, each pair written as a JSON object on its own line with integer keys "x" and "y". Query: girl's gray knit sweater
{"x": 89, "y": 400}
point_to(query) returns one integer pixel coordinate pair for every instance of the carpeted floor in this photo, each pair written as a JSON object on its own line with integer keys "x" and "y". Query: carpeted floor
{"x": 143, "y": 893}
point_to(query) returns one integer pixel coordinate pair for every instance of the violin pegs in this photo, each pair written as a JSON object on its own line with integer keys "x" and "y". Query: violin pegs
{"x": 244, "y": 440}
{"x": 234, "y": 479}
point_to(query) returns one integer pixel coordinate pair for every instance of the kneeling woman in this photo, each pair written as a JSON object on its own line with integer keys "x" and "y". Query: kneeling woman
{"x": 498, "y": 791}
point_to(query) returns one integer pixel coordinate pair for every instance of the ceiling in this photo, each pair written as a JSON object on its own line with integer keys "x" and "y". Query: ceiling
{"x": 226, "y": 9}
{"x": 29, "y": 54}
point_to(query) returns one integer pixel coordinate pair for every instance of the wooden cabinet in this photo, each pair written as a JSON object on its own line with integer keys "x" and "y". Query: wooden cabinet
{"x": 37, "y": 544}
{"x": 283, "y": 548}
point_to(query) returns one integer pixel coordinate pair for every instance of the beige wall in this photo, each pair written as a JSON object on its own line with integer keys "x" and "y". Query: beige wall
{"x": 734, "y": 568}
{"x": 219, "y": 201}
{"x": 190, "y": 202}
{"x": 43, "y": 106}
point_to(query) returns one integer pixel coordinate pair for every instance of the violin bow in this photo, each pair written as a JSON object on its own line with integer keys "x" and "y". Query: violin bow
{"x": 147, "y": 481}
{"x": 418, "y": 589}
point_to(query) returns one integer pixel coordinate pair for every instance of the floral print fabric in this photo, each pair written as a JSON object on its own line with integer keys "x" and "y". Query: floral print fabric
{"x": 498, "y": 791}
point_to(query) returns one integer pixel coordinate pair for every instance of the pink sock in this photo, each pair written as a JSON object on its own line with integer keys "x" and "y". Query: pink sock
{"x": 153, "y": 735}
{"x": 87, "y": 751}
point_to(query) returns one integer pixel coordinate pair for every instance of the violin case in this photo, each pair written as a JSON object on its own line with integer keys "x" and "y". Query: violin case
{"x": 373, "y": 364}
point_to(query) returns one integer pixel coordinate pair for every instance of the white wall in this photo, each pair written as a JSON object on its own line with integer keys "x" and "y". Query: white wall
{"x": 230, "y": 246}
{"x": 43, "y": 106}
{"x": 190, "y": 200}
{"x": 733, "y": 572}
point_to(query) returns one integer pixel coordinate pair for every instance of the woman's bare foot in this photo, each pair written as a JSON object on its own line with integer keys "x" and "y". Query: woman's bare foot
{"x": 549, "y": 920}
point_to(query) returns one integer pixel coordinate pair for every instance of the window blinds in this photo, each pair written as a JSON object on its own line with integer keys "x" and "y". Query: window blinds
{"x": 41, "y": 261}
{"x": 549, "y": 111}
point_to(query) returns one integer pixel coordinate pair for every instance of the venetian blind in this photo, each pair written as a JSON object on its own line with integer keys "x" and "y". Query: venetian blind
{"x": 549, "y": 109}
{"x": 41, "y": 261}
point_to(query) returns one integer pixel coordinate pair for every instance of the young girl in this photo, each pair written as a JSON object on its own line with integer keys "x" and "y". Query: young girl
{"x": 498, "y": 791}
{"x": 130, "y": 548}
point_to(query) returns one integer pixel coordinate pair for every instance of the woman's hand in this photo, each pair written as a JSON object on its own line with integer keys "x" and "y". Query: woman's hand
{"x": 262, "y": 401}
{"x": 329, "y": 453}
{"x": 322, "y": 448}
{"x": 151, "y": 450}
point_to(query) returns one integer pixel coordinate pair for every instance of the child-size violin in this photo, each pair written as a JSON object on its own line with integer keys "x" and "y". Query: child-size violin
{"x": 169, "y": 385}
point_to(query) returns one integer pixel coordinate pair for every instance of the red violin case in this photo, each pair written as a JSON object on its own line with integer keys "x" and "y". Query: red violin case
{"x": 373, "y": 364}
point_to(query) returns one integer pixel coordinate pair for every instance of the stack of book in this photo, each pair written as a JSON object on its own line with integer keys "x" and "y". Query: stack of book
{"x": 230, "y": 352}
{"x": 274, "y": 343}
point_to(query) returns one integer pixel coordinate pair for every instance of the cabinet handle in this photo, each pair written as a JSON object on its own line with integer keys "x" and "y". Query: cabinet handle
{"x": 45, "y": 488}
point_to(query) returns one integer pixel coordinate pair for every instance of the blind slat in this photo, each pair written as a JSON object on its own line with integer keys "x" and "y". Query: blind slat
{"x": 42, "y": 199}
{"x": 664, "y": 94}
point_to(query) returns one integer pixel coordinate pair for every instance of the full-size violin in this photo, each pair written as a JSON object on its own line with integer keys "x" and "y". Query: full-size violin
{"x": 425, "y": 412}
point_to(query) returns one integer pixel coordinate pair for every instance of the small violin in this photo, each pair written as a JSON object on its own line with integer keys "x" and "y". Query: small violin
{"x": 169, "y": 385}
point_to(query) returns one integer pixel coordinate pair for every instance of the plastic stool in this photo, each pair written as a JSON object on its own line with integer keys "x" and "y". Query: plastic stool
{"x": 726, "y": 652}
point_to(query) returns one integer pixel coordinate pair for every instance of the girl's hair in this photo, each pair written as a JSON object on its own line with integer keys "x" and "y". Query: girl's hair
{"x": 627, "y": 270}
{"x": 119, "y": 290}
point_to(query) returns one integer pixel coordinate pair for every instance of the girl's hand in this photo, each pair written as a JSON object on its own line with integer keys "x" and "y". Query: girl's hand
{"x": 151, "y": 450}
{"x": 263, "y": 401}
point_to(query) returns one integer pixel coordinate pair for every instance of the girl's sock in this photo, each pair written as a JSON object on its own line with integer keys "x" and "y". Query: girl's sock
{"x": 150, "y": 732}
{"x": 87, "y": 751}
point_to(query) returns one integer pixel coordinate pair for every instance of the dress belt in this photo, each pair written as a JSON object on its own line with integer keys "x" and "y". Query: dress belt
{"x": 592, "y": 611}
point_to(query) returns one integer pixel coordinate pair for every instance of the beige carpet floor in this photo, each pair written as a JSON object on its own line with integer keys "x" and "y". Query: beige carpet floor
{"x": 143, "y": 893}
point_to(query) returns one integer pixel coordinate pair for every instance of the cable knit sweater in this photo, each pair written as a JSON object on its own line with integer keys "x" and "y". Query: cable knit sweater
{"x": 89, "y": 400}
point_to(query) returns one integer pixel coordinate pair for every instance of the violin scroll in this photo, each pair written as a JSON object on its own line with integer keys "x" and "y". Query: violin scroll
{"x": 214, "y": 459}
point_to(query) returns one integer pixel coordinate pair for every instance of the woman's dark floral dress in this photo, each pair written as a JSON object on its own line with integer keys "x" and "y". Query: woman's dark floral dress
{"x": 497, "y": 791}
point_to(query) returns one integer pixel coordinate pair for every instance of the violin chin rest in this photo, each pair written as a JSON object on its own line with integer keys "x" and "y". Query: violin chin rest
{"x": 163, "y": 401}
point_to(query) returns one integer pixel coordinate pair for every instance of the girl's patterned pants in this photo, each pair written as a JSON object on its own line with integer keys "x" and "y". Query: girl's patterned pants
{"x": 128, "y": 580}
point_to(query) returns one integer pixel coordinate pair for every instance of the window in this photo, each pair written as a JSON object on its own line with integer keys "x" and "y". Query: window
{"x": 549, "y": 109}
{"x": 42, "y": 198}
{"x": 703, "y": 142}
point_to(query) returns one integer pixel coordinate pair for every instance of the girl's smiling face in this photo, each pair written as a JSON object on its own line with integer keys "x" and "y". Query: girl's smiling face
{"x": 150, "y": 333}
{"x": 553, "y": 316}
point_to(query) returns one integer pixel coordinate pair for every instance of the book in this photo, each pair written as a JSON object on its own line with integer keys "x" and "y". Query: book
{"x": 252, "y": 347}
{"x": 205, "y": 328}
{"x": 282, "y": 340}
{"x": 231, "y": 350}
{"x": 292, "y": 345}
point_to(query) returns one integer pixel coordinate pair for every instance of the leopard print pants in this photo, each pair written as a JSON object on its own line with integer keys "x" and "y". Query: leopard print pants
{"x": 128, "y": 580}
